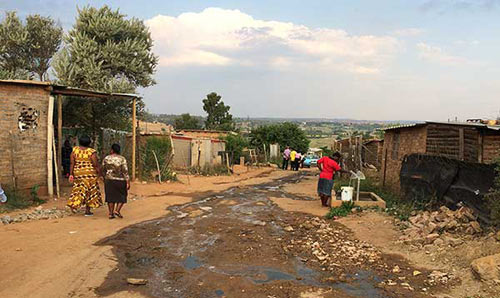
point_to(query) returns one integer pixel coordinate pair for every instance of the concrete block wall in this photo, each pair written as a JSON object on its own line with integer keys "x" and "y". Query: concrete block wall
{"x": 23, "y": 152}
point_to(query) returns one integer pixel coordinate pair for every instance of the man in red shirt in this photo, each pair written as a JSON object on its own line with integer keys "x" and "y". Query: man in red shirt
{"x": 328, "y": 166}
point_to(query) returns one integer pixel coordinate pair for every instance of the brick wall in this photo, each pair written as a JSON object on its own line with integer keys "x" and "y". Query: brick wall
{"x": 397, "y": 144}
{"x": 491, "y": 148}
{"x": 29, "y": 147}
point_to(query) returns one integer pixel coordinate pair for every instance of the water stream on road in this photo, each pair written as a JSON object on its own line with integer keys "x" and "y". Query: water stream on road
{"x": 228, "y": 241}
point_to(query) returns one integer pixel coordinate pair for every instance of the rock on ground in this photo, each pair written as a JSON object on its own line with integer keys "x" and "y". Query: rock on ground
{"x": 487, "y": 268}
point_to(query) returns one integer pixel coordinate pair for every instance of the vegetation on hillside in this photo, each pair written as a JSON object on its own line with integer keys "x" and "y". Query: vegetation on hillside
{"x": 186, "y": 121}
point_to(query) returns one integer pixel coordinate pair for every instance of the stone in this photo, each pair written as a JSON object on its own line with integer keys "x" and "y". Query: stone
{"x": 206, "y": 208}
{"x": 288, "y": 229}
{"x": 431, "y": 238}
{"x": 137, "y": 281}
{"x": 307, "y": 225}
{"x": 487, "y": 268}
{"x": 454, "y": 241}
{"x": 39, "y": 208}
{"x": 444, "y": 209}
{"x": 258, "y": 223}
{"x": 452, "y": 224}
{"x": 396, "y": 269}
{"x": 416, "y": 273}
{"x": 475, "y": 225}
{"x": 438, "y": 241}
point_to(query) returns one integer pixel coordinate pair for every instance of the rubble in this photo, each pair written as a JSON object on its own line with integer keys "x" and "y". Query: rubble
{"x": 37, "y": 214}
{"x": 435, "y": 228}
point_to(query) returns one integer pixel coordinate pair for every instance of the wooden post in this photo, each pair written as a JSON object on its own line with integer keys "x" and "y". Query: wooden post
{"x": 50, "y": 135}
{"x": 461, "y": 144}
{"x": 480, "y": 149}
{"x": 12, "y": 160}
{"x": 56, "y": 168}
{"x": 134, "y": 120}
{"x": 384, "y": 164}
{"x": 59, "y": 133}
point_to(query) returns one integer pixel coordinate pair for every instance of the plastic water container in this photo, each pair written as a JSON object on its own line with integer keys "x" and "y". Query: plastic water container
{"x": 347, "y": 193}
{"x": 3, "y": 197}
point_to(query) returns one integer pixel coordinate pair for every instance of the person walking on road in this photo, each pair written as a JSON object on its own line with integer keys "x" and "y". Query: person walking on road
{"x": 116, "y": 181}
{"x": 292, "y": 159}
{"x": 66, "y": 157}
{"x": 298, "y": 158}
{"x": 84, "y": 173}
{"x": 286, "y": 158}
{"x": 328, "y": 166}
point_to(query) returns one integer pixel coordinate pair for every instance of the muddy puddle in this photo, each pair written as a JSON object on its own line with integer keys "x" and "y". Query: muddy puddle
{"x": 229, "y": 244}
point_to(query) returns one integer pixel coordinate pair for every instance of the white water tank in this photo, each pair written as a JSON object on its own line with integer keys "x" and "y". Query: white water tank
{"x": 347, "y": 193}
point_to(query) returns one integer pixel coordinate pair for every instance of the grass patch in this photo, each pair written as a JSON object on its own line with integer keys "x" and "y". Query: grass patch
{"x": 341, "y": 211}
{"x": 17, "y": 200}
{"x": 395, "y": 205}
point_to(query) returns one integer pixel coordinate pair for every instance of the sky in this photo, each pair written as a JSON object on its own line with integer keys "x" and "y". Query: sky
{"x": 373, "y": 60}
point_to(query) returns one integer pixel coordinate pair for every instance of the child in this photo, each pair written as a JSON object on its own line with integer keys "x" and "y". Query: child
{"x": 3, "y": 197}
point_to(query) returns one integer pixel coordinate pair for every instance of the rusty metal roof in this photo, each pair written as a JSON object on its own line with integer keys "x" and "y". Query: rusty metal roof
{"x": 463, "y": 124}
{"x": 71, "y": 91}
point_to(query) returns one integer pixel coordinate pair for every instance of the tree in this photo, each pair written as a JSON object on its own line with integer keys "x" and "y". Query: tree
{"x": 235, "y": 143}
{"x": 26, "y": 50}
{"x": 44, "y": 39}
{"x": 13, "y": 44}
{"x": 285, "y": 134}
{"x": 218, "y": 116}
{"x": 186, "y": 121}
{"x": 106, "y": 52}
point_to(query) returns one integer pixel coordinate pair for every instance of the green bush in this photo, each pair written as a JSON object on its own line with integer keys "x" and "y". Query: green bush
{"x": 394, "y": 204}
{"x": 18, "y": 200}
{"x": 493, "y": 198}
{"x": 161, "y": 146}
{"x": 342, "y": 210}
{"x": 235, "y": 143}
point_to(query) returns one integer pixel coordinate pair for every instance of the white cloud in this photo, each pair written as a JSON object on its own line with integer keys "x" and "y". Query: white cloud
{"x": 220, "y": 37}
{"x": 438, "y": 55}
{"x": 408, "y": 32}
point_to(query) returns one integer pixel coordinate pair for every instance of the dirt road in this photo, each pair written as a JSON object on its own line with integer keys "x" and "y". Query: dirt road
{"x": 208, "y": 237}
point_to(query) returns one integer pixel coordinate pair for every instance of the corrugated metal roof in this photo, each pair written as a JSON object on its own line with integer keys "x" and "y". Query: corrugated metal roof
{"x": 463, "y": 124}
{"x": 403, "y": 126}
{"x": 66, "y": 90}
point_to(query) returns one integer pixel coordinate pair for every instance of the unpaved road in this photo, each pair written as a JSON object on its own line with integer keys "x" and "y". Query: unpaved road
{"x": 224, "y": 237}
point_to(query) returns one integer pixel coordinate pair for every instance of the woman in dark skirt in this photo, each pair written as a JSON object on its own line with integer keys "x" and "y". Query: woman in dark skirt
{"x": 116, "y": 181}
{"x": 328, "y": 166}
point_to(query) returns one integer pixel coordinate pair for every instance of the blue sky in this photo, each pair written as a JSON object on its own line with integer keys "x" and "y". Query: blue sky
{"x": 383, "y": 60}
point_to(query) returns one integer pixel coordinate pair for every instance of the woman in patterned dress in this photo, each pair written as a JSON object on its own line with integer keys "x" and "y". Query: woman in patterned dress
{"x": 116, "y": 181}
{"x": 84, "y": 174}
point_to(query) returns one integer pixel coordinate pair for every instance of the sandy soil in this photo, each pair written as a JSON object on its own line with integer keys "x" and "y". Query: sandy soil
{"x": 58, "y": 258}
{"x": 71, "y": 257}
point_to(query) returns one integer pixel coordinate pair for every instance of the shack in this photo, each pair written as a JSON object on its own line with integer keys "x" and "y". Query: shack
{"x": 154, "y": 128}
{"x": 462, "y": 141}
{"x": 197, "y": 151}
{"x": 30, "y": 156}
{"x": 201, "y": 133}
{"x": 372, "y": 152}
